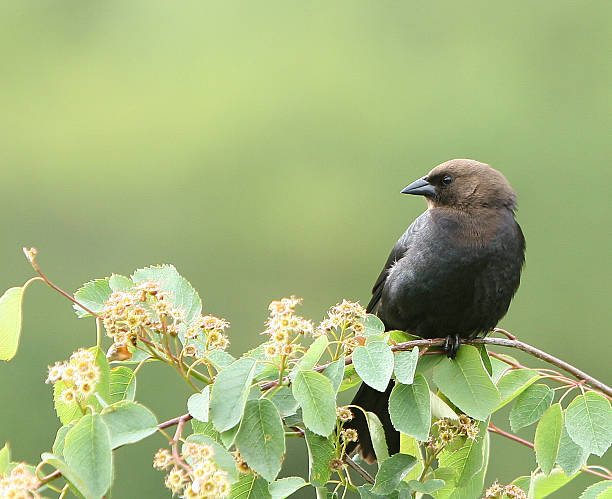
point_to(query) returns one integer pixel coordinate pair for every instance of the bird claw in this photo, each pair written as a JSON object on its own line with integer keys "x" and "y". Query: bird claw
{"x": 451, "y": 345}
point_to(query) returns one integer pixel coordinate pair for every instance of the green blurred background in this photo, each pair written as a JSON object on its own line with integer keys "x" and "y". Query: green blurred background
{"x": 261, "y": 147}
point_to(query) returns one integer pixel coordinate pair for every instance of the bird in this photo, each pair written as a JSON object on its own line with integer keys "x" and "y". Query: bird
{"x": 451, "y": 275}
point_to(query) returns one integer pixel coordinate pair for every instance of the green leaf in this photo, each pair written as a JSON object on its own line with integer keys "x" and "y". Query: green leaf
{"x": 542, "y": 485}
{"x": 87, "y": 450}
{"x": 250, "y": 487}
{"x": 222, "y": 458}
{"x": 595, "y": 491}
{"x": 228, "y": 436}
{"x": 486, "y": 360}
{"x": 316, "y": 397}
{"x": 409, "y": 408}
{"x": 60, "y": 439}
{"x": 206, "y": 429}
{"x": 405, "y": 365}
{"x": 377, "y": 435}
{"x": 128, "y": 422}
{"x": 410, "y": 446}
{"x": 313, "y": 354}
{"x": 448, "y": 476}
{"x": 374, "y": 364}
{"x": 391, "y": 472}
{"x": 198, "y": 404}
{"x": 284, "y": 487}
{"x": 429, "y": 361}
{"x": 426, "y": 487}
{"x": 589, "y": 422}
{"x": 76, "y": 481}
{"x": 122, "y": 384}
{"x": 93, "y": 295}
{"x": 229, "y": 393}
{"x": 530, "y": 405}
{"x": 183, "y": 294}
{"x": 261, "y": 438}
{"x": 335, "y": 372}
{"x": 5, "y": 459}
{"x": 220, "y": 359}
{"x": 120, "y": 283}
{"x": 350, "y": 378}
{"x": 65, "y": 412}
{"x": 284, "y": 401}
{"x": 320, "y": 452}
{"x": 512, "y": 384}
{"x": 498, "y": 368}
{"x": 440, "y": 409}
{"x": 373, "y": 326}
{"x": 548, "y": 437}
{"x": 10, "y": 321}
{"x": 467, "y": 384}
{"x": 473, "y": 487}
{"x": 571, "y": 456}
{"x": 469, "y": 459}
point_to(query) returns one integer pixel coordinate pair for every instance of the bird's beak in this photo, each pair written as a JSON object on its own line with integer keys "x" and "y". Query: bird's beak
{"x": 420, "y": 187}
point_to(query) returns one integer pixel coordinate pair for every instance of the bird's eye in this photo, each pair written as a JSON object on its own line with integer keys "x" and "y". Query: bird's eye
{"x": 447, "y": 179}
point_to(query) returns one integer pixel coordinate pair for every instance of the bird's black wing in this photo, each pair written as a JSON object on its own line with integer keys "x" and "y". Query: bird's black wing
{"x": 398, "y": 251}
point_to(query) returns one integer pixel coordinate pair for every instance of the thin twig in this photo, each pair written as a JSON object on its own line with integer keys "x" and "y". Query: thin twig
{"x": 494, "y": 429}
{"x": 363, "y": 473}
{"x": 30, "y": 254}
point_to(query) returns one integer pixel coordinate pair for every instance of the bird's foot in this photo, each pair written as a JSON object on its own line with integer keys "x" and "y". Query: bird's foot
{"x": 451, "y": 345}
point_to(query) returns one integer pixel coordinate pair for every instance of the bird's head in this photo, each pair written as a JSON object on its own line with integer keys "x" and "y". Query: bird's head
{"x": 465, "y": 184}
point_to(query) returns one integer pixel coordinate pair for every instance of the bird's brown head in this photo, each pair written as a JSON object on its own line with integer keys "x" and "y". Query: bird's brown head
{"x": 465, "y": 184}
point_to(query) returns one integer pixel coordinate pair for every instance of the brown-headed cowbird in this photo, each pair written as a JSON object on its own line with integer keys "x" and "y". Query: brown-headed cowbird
{"x": 452, "y": 274}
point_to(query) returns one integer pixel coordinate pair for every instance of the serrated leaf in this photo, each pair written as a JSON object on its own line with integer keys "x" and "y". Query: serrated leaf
{"x": 409, "y": 408}
{"x": 128, "y": 422}
{"x": 317, "y": 398}
{"x": 228, "y": 436}
{"x": 588, "y": 419}
{"x": 473, "y": 487}
{"x": 5, "y": 459}
{"x": 513, "y": 383}
{"x": 222, "y": 458}
{"x": 426, "y": 487}
{"x": 122, "y": 384}
{"x": 373, "y": 326}
{"x": 320, "y": 452}
{"x": 440, "y": 409}
{"x": 313, "y": 354}
{"x": 87, "y": 450}
{"x": 350, "y": 378}
{"x": 284, "y": 401}
{"x": 391, "y": 472}
{"x": 597, "y": 490}
{"x": 374, "y": 364}
{"x": 548, "y": 437}
{"x": 284, "y": 487}
{"x": 447, "y": 475}
{"x": 530, "y": 405}
{"x": 76, "y": 481}
{"x": 183, "y": 294}
{"x": 405, "y": 365}
{"x": 229, "y": 393}
{"x": 261, "y": 438}
{"x": 199, "y": 403}
{"x": 377, "y": 435}
{"x": 60, "y": 438}
{"x": 220, "y": 359}
{"x": 206, "y": 429}
{"x": 410, "y": 446}
{"x": 429, "y": 361}
{"x": 120, "y": 283}
{"x": 469, "y": 459}
{"x": 335, "y": 372}
{"x": 571, "y": 456}
{"x": 467, "y": 384}
{"x": 93, "y": 295}
{"x": 250, "y": 487}
{"x": 486, "y": 360}
{"x": 498, "y": 368}
{"x": 542, "y": 485}
{"x": 10, "y": 321}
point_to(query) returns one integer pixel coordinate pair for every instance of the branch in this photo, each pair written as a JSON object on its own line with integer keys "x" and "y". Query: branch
{"x": 494, "y": 429}
{"x": 363, "y": 473}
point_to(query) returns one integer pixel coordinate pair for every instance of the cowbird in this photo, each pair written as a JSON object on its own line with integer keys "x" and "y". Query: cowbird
{"x": 451, "y": 275}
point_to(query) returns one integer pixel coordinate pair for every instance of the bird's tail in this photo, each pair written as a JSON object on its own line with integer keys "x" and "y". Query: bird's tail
{"x": 372, "y": 400}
